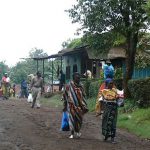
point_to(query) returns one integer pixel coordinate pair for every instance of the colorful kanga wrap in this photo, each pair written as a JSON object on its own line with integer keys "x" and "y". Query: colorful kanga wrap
{"x": 75, "y": 103}
{"x": 110, "y": 112}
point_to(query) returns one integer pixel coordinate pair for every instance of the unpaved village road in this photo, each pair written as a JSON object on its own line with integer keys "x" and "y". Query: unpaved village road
{"x": 23, "y": 128}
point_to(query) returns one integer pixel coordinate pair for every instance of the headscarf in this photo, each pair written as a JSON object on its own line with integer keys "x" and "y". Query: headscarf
{"x": 107, "y": 81}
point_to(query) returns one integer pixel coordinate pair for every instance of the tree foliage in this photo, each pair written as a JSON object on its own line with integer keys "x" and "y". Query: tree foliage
{"x": 72, "y": 43}
{"x": 104, "y": 20}
{"x": 142, "y": 58}
{"x": 3, "y": 68}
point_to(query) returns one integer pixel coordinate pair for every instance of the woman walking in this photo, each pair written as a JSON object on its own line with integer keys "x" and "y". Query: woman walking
{"x": 75, "y": 104}
{"x": 110, "y": 109}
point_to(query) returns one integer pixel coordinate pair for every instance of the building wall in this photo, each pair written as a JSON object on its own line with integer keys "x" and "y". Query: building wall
{"x": 70, "y": 61}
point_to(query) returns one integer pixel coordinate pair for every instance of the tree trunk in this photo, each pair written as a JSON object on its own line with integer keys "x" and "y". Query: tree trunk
{"x": 130, "y": 60}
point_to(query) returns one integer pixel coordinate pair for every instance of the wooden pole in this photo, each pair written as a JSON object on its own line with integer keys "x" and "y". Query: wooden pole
{"x": 37, "y": 65}
{"x": 52, "y": 75}
{"x": 43, "y": 70}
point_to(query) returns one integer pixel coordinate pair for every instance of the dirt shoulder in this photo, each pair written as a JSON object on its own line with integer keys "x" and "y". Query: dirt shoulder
{"x": 23, "y": 128}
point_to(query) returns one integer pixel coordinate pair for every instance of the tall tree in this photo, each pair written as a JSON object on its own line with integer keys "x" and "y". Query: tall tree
{"x": 104, "y": 17}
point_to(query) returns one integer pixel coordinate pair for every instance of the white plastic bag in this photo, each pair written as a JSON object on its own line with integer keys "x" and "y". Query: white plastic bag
{"x": 30, "y": 98}
{"x": 120, "y": 101}
{"x": 100, "y": 99}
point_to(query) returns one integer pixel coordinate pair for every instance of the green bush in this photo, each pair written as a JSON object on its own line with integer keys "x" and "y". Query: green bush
{"x": 140, "y": 92}
{"x": 94, "y": 88}
{"x": 91, "y": 86}
{"x": 86, "y": 84}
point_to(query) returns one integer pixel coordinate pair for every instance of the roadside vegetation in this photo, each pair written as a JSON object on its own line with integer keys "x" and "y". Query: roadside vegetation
{"x": 52, "y": 101}
{"x": 131, "y": 118}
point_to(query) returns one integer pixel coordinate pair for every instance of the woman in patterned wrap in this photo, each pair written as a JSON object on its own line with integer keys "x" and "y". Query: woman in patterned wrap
{"x": 110, "y": 109}
{"x": 75, "y": 104}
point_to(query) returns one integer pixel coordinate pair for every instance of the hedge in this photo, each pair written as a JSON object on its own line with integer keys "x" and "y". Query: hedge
{"x": 140, "y": 91}
{"x": 91, "y": 86}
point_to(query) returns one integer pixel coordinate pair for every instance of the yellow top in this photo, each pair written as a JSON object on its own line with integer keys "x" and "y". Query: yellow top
{"x": 110, "y": 94}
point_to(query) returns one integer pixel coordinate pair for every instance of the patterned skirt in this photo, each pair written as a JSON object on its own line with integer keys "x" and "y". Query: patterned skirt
{"x": 109, "y": 119}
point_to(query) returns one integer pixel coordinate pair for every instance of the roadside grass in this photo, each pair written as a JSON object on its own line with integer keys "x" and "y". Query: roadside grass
{"x": 53, "y": 101}
{"x": 137, "y": 122}
{"x": 130, "y": 117}
{"x": 91, "y": 104}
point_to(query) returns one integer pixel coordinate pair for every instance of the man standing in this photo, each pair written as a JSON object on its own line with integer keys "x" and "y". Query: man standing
{"x": 37, "y": 88}
{"x": 24, "y": 89}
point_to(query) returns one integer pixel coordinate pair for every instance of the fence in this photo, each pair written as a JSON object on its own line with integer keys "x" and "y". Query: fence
{"x": 141, "y": 73}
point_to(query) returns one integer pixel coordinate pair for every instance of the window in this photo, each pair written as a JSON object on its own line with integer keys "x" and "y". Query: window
{"x": 75, "y": 69}
{"x": 68, "y": 72}
{"x": 94, "y": 67}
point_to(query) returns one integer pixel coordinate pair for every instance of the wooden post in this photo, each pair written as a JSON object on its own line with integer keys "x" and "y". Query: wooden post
{"x": 37, "y": 67}
{"x": 43, "y": 70}
{"x": 52, "y": 75}
{"x": 61, "y": 63}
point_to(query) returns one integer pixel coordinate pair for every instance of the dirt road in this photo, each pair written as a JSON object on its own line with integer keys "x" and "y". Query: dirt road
{"x": 23, "y": 128}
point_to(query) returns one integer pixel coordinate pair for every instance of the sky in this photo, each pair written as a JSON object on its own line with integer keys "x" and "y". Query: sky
{"x": 26, "y": 24}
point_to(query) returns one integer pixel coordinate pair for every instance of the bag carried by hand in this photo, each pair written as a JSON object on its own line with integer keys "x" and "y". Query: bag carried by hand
{"x": 120, "y": 102}
{"x": 65, "y": 122}
{"x": 30, "y": 98}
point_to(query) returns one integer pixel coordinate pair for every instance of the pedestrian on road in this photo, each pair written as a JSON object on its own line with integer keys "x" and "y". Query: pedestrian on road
{"x": 110, "y": 108}
{"x": 24, "y": 89}
{"x": 5, "y": 86}
{"x": 75, "y": 104}
{"x": 37, "y": 89}
{"x": 99, "y": 100}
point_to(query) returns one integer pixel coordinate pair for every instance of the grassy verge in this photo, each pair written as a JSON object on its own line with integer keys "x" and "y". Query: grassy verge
{"x": 137, "y": 122}
{"x": 54, "y": 100}
{"x": 131, "y": 118}
{"x": 91, "y": 104}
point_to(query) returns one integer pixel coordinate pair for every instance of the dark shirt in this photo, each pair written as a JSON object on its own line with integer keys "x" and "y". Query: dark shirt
{"x": 23, "y": 84}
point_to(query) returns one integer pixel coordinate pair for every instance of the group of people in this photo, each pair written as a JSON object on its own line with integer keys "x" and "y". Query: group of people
{"x": 35, "y": 87}
{"x": 75, "y": 105}
{"x": 74, "y": 100}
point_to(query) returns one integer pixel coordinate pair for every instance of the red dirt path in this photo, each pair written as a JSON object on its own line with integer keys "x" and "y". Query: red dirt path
{"x": 23, "y": 128}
